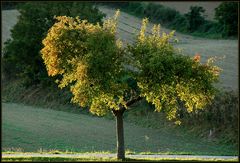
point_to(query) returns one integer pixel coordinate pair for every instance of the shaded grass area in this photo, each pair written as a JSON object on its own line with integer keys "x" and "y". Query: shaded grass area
{"x": 30, "y": 129}
{"x": 218, "y": 123}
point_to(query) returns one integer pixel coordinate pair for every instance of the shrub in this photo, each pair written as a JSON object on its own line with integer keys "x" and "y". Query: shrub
{"x": 221, "y": 115}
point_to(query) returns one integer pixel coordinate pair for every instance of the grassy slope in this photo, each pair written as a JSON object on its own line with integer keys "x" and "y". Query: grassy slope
{"x": 31, "y": 129}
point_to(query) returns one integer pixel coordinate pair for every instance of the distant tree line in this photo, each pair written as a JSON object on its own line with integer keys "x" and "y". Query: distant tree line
{"x": 226, "y": 16}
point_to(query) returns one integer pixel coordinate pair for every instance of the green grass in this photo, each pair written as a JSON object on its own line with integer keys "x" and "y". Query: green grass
{"x": 57, "y": 159}
{"x": 33, "y": 129}
{"x": 50, "y": 124}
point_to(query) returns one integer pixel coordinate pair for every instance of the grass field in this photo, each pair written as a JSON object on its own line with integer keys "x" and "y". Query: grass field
{"x": 30, "y": 129}
{"x": 57, "y": 159}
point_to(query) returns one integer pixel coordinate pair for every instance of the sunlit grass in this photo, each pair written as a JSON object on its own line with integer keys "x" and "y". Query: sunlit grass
{"x": 9, "y": 159}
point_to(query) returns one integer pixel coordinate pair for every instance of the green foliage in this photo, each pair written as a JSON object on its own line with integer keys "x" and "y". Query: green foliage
{"x": 89, "y": 58}
{"x": 91, "y": 61}
{"x": 195, "y": 17}
{"x": 180, "y": 23}
{"x": 21, "y": 55}
{"x": 227, "y": 16}
{"x": 166, "y": 77}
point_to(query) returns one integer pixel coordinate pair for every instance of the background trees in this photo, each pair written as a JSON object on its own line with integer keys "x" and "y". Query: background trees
{"x": 192, "y": 22}
{"x": 89, "y": 60}
{"x": 227, "y": 16}
{"x": 21, "y": 54}
{"x": 195, "y": 18}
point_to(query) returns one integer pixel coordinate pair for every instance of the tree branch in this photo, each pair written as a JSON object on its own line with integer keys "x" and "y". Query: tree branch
{"x": 129, "y": 103}
{"x": 122, "y": 108}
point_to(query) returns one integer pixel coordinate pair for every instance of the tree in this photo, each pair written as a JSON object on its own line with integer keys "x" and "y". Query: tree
{"x": 21, "y": 54}
{"x": 90, "y": 61}
{"x": 195, "y": 17}
{"x": 227, "y": 16}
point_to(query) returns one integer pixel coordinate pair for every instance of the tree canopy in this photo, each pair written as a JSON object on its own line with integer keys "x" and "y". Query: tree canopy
{"x": 227, "y": 16}
{"x": 195, "y": 17}
{"x": 92, "y": 62}
{"x": 106, "y": 76}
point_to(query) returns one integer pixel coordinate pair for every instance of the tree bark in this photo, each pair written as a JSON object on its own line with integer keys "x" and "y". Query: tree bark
{"x": 120, "y": 136}
{"x": 119, "y": 128}
{"x": 120, "y": 132}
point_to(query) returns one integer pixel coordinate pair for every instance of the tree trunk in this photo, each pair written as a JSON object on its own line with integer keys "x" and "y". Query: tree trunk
{"x": 120, "y": 133}
{"x": 119, "y": 127}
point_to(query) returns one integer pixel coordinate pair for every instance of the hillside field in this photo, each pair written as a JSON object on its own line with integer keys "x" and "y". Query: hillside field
{"x": 32, "y": 129}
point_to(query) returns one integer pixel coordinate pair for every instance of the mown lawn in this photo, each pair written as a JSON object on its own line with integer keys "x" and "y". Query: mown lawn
{"x": 32, "y": 129}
